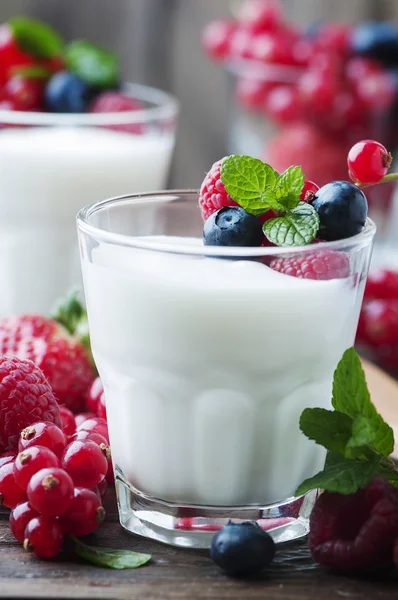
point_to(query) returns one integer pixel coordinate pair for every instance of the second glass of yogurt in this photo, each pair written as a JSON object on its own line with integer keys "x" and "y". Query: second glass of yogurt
{"x": 208, "y": 356}
{"x": 50, "y": 164}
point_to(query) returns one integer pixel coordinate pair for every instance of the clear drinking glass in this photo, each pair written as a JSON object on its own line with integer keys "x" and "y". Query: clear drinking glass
{"x": 50, "y": 164}
{"x": 208, "y": 357}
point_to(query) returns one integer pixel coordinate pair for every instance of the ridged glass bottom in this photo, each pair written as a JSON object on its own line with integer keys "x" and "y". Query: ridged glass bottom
{"x": 194, "y": 526}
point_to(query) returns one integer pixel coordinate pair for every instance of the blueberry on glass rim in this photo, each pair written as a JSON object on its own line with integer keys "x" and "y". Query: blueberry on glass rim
{"x": 67, "y": 93}
{"x": 232, "y": 226}
{"x": 242, "y": 549}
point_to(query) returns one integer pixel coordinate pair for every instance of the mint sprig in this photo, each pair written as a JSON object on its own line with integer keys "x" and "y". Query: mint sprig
{"x": 36, "y": 38}
{"x": 110, "y": 557}
{"x": 356, "y": 436}
{"x": 95, "y": 65}
{"x": 258, "y": 188}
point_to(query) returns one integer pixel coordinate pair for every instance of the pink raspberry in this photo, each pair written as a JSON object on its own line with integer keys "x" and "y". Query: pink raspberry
{"x": 319, "y": 265}
{"x": 114, "y": 102}
{"x": 213, "y": 195}
{"x": 355, "y": 533}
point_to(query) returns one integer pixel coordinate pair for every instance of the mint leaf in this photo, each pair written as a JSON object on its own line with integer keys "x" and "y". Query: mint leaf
{"x": 351, "y": 396}
{"x": 32, "y": 71}
{"x": 342, "y": 475}
{"x": 95, "y": 65}
{"x": 289, "y": 186}
{"x": 327, "y": 428}
{"x": 111, "y": 558}
{"x": 36, "y": 38}
{"x": 250, "y": 182}
{"x": 297, "y": 228}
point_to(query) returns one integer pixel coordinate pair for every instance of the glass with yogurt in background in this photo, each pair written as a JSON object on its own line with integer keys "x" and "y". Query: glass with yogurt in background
{"x": 208, "y": 356}
{"x": 65, "y": 137}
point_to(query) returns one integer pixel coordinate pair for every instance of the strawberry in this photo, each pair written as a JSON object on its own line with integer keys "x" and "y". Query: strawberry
{"x": 61, "y": 356}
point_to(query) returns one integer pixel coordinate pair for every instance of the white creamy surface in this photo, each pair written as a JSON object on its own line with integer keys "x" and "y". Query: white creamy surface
{"x": 46, "y": 175}
{"x": 207, "y": 365}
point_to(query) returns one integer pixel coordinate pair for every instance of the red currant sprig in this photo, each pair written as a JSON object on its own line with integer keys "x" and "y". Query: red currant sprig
{"x": 369, "y": 162}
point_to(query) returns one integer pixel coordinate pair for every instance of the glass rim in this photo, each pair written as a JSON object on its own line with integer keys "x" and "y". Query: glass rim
{"x": 165, "y": 106}
{"x": 152, "y": 244}
{"x": 249, "y": 68}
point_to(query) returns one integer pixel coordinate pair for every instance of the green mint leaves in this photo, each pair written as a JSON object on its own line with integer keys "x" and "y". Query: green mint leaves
{"x": 258, "y": 188}
{"x": 357, "y": 438}
{"x": 95, "y": 65}
{"x": 109, "y": 557}
{"x": 36, "y": 38}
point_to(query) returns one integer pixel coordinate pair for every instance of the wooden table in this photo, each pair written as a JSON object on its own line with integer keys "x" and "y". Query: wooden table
{"x": 183, "y": 574}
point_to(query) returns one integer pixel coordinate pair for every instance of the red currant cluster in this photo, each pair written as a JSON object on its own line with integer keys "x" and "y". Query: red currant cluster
{"x": 315, "y": 84}
{"x": 55, "y": 484}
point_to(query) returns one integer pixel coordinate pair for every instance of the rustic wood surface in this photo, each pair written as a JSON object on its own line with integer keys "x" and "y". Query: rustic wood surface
{"x": 182, "y": 574}
{"x": 173, "y": 574}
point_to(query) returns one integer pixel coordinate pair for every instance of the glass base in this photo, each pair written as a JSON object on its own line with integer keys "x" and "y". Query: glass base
{"x": 192, "y": 526}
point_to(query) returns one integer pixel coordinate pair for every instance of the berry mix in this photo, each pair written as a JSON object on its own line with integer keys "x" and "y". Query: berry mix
{"x": 323, "y": 88}
{"x": 39, "y": 72}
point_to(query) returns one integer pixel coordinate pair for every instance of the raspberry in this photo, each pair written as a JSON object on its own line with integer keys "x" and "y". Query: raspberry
{"x": 382, "y": 284}
{"x": 379, "y": 322}
{"x": 114, "y": 102}
{"x": 319, "y": 265}
{"x": 50, "y": 492}
{"x": 355, "y": 533}
{"x": 25, "y": 397}
{"x": 213, "y": 195}
{"x": 43, "y": 536}
{"x": 43, "y": 434}
{"x": 85, "y": 462}
{"x": 19, "y": 518}
{"x": 11, "y": 493}
{"x": 68, "y": 420}
{"x": 84, "y": 515}
{"x": 368, "y": 162}
{"x": 30, "y": 461}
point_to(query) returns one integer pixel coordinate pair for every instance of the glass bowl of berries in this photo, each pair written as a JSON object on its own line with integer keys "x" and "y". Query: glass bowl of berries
{"x": 70, "y": 128}
{"x": 216, "y": 318}
{"x": 305, "y": 96}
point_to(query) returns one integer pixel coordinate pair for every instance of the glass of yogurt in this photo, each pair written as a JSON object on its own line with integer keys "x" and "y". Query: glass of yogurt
{"x": 50, "y": 164}
{"x": 208, "y": 356}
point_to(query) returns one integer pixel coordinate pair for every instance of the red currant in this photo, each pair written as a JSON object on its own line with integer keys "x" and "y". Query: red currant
{"x": 44, "y": 537}
{"x": 7, "y": 457}
{"x": 96, "y": 425}
{"x": 376, "y": 91}
{"x": 50, "y": 491}
{"x": 216, "y": 38}
{"x": 309, "y": 190}
{"x": 68, "y": 420}
{"x": 24, "y": 93}
{"x": 368, "y": 162}
{"x": 282, "y": 104}
{"x": 260, "y": 15}
{"x": 19, "y": 518}
{"x": 357, "y": 68}
{"x": 11, "y": 493}
{"x": 31, "y": 460}
{"x": 103, "y": 487}
{"x": 272, "y": 48}
{"x": 382, "y": 284}
{"x": 10, "y": 54}
{"x": 97, "y": 438}
{"x": 318, "y": 90}
{"x": 379, "y": 322}
{"x": 85, "y": 462}
{"x": 251, "y": 92}
{"x": 334, "y": 37}
{"x": 80, "y": 418}
{"x": 101, "y": 409}
{"x": 43, "y": 434}
{"x": 85, "y": 513}
{"x": 93, "y": 395}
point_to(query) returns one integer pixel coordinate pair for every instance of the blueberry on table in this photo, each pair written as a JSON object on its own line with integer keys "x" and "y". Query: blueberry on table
{"x": 242, "y": 549}
{"x": 377, "y": 40}
{"x": 232, "y": 226}
{"x": 67, "y": 93}
{"x": 342, "y": 208}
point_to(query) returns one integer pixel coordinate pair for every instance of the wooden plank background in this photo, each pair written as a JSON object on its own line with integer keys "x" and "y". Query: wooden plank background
{"x": 159, "y": 41}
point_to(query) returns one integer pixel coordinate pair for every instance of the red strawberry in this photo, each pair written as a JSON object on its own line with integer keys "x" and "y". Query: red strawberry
{"x": 62, "y": 357}
{"x": 25, "y": 398}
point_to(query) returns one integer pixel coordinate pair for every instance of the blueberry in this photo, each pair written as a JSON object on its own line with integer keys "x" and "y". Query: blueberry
{"x": 342, "y": 210}
{"x": 232, "y": 226}
{"x": 377, "y": 40}
{"x": 242, "y": 549}
{"x": 67, "y": 93}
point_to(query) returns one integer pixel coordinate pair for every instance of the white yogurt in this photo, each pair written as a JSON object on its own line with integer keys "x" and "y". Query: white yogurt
{"x": 207, "y": 365}
{"x": 46, "y": 175}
